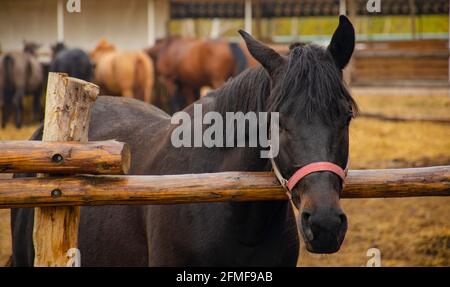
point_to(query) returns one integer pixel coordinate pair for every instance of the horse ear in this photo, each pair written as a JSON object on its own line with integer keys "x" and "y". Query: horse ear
{"x": 343, "y": 42}
{"x": 266, "y": 56}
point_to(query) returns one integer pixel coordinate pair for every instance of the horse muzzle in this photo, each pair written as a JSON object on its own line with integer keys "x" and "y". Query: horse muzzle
{"x": 323, "y": 230}
{"x": 322, "y": 222}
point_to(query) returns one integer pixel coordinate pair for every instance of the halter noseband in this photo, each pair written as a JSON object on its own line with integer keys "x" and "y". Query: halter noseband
{"x": 289, "y": 184}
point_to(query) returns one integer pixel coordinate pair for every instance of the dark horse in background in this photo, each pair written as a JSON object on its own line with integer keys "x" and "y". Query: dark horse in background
{"x": 20, "y": 74}
{"x": 185, "y": 65}
{"x": 74, "y": 62}
{"x": 315, "y": 110}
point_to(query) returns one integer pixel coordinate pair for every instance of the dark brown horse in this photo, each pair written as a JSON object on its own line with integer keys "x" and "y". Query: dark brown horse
{"x": 185, "y": 65}
{"x": 20, "y": 74}
{"x": 74, "y": 62}
{"x": 315, "y": 109}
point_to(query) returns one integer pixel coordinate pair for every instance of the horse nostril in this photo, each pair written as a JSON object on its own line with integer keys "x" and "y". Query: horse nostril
{"x": 343, "y": 218}
{"x": 306, "y": 226}
{"x": 305, "y": 217}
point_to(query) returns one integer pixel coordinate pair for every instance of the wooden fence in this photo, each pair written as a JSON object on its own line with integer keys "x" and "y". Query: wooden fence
{"x": 402, "y": 63}
{"x": 92, "y": 173}
{"x": 406, "y": 63}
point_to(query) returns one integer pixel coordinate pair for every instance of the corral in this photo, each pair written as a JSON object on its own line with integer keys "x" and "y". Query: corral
{"x": 410, "y": 133}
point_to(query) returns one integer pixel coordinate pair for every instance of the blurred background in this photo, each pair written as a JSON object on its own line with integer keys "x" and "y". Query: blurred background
{"x": 399, "y": 75}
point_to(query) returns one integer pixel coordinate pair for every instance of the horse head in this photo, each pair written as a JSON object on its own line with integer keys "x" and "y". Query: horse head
{"x": 161, "y": 45}
{"x": 315, "y": 110}
{"x": 30, "y": 47}
{"x": 57, "y": 47}
{"x": 103, "y": 47}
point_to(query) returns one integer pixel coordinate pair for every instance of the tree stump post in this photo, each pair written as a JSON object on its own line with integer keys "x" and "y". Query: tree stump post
{"x": 67, "y": 115}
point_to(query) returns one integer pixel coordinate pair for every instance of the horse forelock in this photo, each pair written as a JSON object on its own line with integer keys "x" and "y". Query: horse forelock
{"x": 312, "y": 85}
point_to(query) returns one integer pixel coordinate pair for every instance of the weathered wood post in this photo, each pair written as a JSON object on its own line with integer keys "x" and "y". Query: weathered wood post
{"x": 67, "y": 115}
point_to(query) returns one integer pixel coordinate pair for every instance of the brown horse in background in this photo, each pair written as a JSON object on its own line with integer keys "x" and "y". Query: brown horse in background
{"x": 123, "y": 73}
{"x": 185, "y": 65}
{"x": 20, "y": 74}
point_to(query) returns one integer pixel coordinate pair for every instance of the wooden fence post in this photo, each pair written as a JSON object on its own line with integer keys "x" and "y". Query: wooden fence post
{"x": 67, "y": 115}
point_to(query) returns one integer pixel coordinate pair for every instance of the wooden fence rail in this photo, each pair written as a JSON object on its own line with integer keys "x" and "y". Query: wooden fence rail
{"x": 405, "y": 118}
{"x": 103, "y": 157}
{"x": 212, "y": 187}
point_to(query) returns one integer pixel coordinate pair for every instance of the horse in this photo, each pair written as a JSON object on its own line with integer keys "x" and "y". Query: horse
{"x": 74, "y": 62}
{"x": 185, "y": 65}
{"x": 123, "y": 73}
{"x": 20, "y": 74}
{"x": 315, "y": 109}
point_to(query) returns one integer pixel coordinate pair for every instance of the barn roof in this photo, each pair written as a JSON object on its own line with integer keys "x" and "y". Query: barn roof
{"x": 291, "y": 8}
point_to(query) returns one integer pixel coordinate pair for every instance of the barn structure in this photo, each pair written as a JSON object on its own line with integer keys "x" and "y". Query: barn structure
{"x": 130, "y": 24}
{"x": 137, "y": 23}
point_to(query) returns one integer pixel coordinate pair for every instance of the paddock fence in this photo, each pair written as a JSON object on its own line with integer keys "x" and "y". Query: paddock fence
{"x": 73, "y": 172}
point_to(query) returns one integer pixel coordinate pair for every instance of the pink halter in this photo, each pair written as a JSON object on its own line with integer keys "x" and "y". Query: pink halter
{"x": 289, "y": 185}
{"x": 308, "y": 169}
{"x": 315, "y": 167}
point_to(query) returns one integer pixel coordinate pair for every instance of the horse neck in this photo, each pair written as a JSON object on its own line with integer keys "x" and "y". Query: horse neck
{"x": 245, "y": 93}
{"x": 100, "y": 53}
{"x": 248, "y": 93}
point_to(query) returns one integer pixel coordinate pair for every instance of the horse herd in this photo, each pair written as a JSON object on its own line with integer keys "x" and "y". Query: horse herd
{"x": 181, "y": 65}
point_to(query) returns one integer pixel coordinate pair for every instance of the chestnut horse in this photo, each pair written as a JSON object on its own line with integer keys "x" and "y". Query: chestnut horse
{"x": 307, "y": 90}
{"x": 185, "y": 65}
{"x": 123, "y": 73}
{"x": 20, "y": 74}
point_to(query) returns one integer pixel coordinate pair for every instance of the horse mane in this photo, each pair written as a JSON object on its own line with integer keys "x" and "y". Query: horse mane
{"x": 308, "y": 87}
{"x": 246, "y": 92}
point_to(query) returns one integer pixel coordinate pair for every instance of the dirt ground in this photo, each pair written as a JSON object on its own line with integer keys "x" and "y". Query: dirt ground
{"x": 408, "y": 232}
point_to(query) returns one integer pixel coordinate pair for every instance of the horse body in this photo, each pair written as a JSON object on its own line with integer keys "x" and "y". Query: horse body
{"x": 20, "y": 74}
{"x": 254, "y": 233}
{"x": 185, "y": 65}
{"x": 125, "y": 73}
{"x": 75, "y": 62}
{"x": 313, "y": 127}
